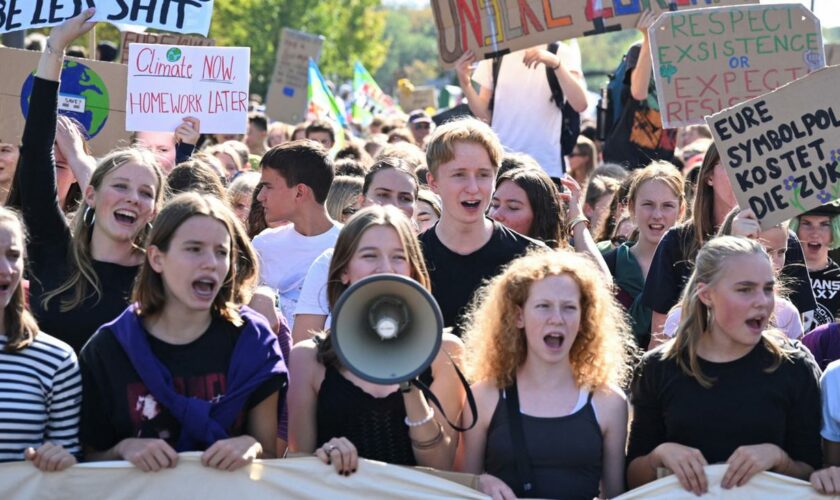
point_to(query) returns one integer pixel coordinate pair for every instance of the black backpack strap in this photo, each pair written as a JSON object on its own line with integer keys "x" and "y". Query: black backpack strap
{"x": 517, "y": 436}
{"x": 556, "y": 90}
{"x": 497, "y": 66}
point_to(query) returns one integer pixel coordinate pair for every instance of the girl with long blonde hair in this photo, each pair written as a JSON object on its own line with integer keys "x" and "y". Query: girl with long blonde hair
{"x": 726, "y": 388}
{"x": 82, "y": 271}
{"x": 548, "y": 348}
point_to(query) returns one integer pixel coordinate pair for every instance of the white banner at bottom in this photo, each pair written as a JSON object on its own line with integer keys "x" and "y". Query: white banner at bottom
{"x": 299, "y": 478}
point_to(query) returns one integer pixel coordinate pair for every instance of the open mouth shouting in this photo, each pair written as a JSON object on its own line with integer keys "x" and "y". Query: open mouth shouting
{"x": 471, "y": 206}
{"x": 554, "y": 341}
{"x": 757, "y": 323}
{"x": 125, "y": 217}
{"x": 205, "y": 288}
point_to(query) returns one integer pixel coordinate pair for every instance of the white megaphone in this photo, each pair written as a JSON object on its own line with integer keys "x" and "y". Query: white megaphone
{"x": 386, "y": 329}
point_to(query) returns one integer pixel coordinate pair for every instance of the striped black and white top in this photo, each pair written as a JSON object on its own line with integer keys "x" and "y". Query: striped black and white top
{"x": 40, "y": 397}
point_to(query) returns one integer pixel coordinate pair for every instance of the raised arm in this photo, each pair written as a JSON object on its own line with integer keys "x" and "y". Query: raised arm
{"x": 479, "y": 102}
{"x": 36, "y": 175}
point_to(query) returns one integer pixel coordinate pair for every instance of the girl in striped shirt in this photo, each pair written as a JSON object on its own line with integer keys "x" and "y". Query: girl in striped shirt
{"x": 40, "y": 385}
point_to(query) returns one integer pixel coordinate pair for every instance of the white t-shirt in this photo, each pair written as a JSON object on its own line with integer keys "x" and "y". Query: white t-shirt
{"x": 830, "y": 387}
{"x": 285, "y": 256}
{"x": 313, "y": 297}
{"x": 787, "y": 319}
{"x": 524, "y": 116}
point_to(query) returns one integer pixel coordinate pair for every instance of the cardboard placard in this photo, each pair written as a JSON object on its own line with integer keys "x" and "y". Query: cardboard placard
{"x": 167, "y": 83}
{"x": 91, "y": 92}
{"x": 286, "y": 100}
{"x": 129, "y": 37}
{"x": 180, "y": 16}
{"x": 781, "y": 150}
{"x": 706, "y": 60}
{"x": 412, "y": 97}
{"x": 496, "y": 27}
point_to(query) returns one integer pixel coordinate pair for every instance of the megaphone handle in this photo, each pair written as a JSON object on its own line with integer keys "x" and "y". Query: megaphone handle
{"x": 431, "y": 396}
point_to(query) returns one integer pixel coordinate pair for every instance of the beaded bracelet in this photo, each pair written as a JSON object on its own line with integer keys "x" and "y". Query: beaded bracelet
{"x": 425, "y": 420}
{"x": 431, "y": 443}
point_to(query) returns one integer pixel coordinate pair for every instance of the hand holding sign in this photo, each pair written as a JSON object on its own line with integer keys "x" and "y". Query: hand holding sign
{"x": 62, "y": 35}
{"x": 745, "y": 224}
{"x": 188, "y": 131}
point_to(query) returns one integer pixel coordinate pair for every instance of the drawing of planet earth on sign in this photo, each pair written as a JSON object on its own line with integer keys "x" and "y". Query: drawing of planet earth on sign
{"x": 83, "y": 96}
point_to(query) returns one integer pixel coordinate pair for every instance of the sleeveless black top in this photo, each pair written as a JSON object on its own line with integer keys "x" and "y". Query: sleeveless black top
{"x": 565, "y": 452}
{"x": 376, "y": 426}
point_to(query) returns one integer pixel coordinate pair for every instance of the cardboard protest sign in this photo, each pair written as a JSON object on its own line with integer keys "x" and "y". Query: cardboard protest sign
{"x": 91, "y": 92}
{"x": 286, "y": 100}
{"x": 496, "y": 27}
{"x": 167, "y": 83}
{"x": 129, "y": 37}
{"x": 180, "y": 16}
{"x": 781, "y": 150}
{"x": 707, "y": 60}
{"x": 418, "y": 98}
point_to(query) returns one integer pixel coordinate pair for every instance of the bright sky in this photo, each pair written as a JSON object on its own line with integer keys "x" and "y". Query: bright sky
{"x": 827, "y": 10}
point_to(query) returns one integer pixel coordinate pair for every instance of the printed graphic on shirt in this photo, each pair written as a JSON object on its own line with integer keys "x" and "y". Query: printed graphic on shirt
{"x": 826, "y": 286}
{"x": 150, "y": 419}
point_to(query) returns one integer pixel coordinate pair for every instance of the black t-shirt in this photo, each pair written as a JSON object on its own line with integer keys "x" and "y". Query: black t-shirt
{"x": 638, "y": 137}
{"x": 50, "y": 238}
{"x": 117, "y": 405}
{"x": 456, "y": 277}
{"x": 745, "y": 406}
{"x": 671, "y": 268}
{"x": 826, "y": 286}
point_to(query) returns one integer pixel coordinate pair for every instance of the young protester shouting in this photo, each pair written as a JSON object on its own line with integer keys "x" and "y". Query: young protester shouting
{"x": 744, "y": 223}
{"x": 819, "y": 231}
{"x": 341, "y": 417}
{"x": 184, "y": 368}
{"x": 673, "y": 261}
{"x": 466, "y": 247}
{"x": 656, "y": 203}
{"x": 548, "y": 348}
{"x": 726, "y": 388}
{"x": 82, "y": 277}
{"x": 41, "y": 386}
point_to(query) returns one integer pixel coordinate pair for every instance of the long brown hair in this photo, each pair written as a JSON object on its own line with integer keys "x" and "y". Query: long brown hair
{"x": 696, "y": 316}
{"x": 345, "y": 247}
{"x": 544, "y": 198}
{"x": 83, "y": 277}
{"x": 149, "y": 293}
{"x": 703, "y": 210}
{"x": 19, "y": 324}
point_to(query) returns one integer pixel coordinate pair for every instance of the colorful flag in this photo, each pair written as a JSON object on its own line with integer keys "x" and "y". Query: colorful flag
{"x": 368, "y": 98}
{"x": 322, "y": 104}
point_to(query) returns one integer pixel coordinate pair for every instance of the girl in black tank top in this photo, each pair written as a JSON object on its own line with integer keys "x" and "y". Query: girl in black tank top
{"x": 547, "y": 346}
{"x": 341, "y": 417}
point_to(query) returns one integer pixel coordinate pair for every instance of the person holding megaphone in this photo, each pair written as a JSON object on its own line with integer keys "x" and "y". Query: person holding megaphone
{"x": 341, "y": 416}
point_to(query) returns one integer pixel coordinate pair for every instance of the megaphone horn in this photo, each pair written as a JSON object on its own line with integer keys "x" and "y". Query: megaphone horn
{"x": 386, "y": 329}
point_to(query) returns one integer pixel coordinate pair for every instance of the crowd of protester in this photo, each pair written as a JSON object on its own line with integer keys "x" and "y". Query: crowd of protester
{"x": 614, "y": 318}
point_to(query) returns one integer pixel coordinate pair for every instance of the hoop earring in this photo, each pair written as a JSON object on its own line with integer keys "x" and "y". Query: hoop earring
{"x": 89, "y": 216}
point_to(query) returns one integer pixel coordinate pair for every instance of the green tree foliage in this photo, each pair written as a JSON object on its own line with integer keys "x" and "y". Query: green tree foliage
{"x": 413, "y": 53}
{"x": 352, "y": 30}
